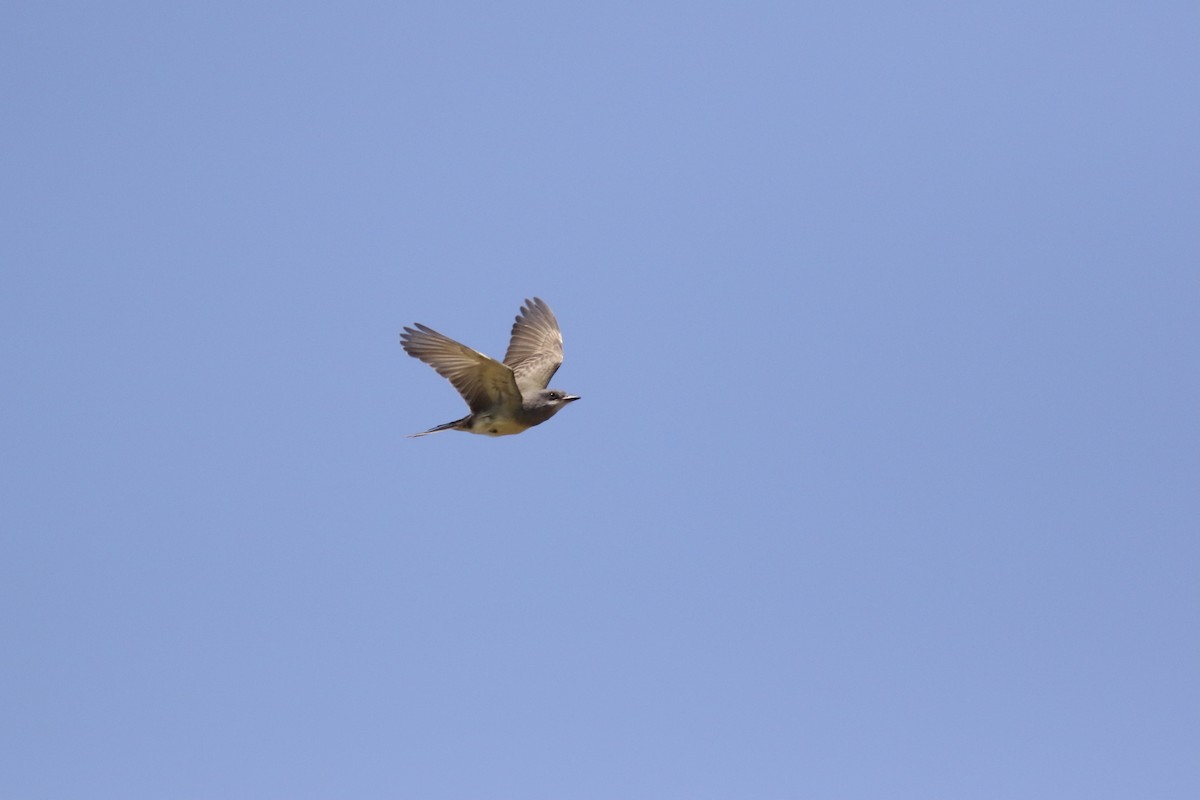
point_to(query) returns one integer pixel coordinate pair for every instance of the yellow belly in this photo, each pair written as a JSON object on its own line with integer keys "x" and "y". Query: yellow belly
{"x": 488, "y": 426}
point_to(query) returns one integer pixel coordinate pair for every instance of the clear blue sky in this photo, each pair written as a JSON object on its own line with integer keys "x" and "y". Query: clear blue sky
{"x": 886, "y": 478}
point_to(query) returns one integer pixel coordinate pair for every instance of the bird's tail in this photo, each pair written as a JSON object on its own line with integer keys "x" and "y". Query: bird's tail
{"x": 448, "y": 426}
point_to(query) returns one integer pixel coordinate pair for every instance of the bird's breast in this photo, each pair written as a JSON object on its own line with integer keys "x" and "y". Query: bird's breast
{"x": 489, "y": 425}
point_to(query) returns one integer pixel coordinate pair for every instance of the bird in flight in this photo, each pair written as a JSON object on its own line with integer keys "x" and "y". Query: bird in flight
{"x": 504, "y": 397}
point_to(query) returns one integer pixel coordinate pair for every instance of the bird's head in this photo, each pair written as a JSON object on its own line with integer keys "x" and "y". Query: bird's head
{"x": 549, "y": 401}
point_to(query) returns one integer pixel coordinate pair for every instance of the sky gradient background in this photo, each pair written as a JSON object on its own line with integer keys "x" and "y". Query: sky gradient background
{"x": 886, "y": 478}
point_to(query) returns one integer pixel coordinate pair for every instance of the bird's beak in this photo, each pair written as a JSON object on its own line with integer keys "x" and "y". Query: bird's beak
{"x": 570, "y": 398}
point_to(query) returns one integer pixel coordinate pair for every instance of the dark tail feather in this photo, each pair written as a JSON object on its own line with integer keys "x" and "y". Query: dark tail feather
{"x": 448, "y": 426}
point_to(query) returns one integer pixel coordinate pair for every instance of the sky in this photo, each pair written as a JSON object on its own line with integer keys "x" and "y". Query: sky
{"x": 884, "y": 484}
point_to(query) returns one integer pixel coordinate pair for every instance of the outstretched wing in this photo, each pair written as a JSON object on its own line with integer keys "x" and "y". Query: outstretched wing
{"x": 535, "y": 352}
{"x": 483, "y": 382}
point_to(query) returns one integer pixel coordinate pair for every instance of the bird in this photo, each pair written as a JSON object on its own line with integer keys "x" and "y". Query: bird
{"x": 506, "y": 397}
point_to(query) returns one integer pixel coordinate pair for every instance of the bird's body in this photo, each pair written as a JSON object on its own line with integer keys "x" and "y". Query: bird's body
{"x": 504, "y": 397}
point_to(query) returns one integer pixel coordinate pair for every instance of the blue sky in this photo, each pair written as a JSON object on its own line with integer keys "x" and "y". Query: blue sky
{"x": 884, "y": 480}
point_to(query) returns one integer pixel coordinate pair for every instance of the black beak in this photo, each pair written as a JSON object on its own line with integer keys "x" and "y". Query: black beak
{"x": 570, "y": 398}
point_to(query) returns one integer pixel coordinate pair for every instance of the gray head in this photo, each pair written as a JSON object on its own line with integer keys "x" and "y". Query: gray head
{"x": 546, "y": 403}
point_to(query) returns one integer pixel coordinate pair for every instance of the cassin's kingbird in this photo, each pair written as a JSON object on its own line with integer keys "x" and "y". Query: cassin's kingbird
{"x": 504, "y": 398}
